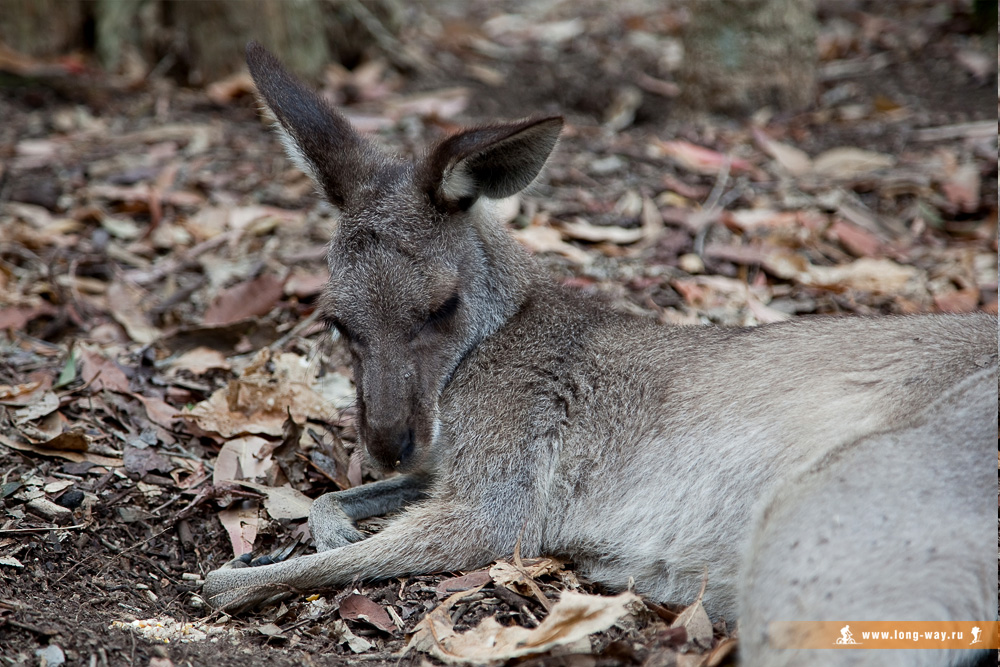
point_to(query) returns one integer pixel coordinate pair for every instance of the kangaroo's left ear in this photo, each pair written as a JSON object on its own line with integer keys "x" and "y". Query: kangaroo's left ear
{"x": 494, "y": 161}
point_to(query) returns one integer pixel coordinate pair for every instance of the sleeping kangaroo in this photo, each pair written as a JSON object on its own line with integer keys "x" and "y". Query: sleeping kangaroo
{"x": 827, "y": 469}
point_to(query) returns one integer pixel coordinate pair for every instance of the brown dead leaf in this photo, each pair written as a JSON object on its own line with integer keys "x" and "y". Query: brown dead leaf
{"x": 793, "y": 160}
{"x": 240, "y": 522}
{"x": 584, "y": 231}
{"x": 573, "y": 618}
{"x": 124, "y": 301}
{"x": 858, "y": 241}
{"x": 520, "y": 576}
{"x": 848, "y": 162}
{"x": 749, "y": 219}
{"x": 240, "y": 459}
{"x": 68, "y": 441}
{"x": 20, "y": 394}
{"x": 439, "y": 104}
{"x": 260, "y": 400}
{"x": 475, "y": 579}
{"x": 69, "y": 455}
{"x": 252, "y": 298}
{"x": 200, "y": 360}
{"x": 539, "y": 238}
{"x": 43, "y": 404}
{"x": 963, "y": 187}
{"x": 699, "y": 159}
{"x": 357, "y": 607}
{"x": 695, "y": 620}
{"x": 876, "y": 275}
{"x": 158, "y": 410}
{"x": 281, "y": 502}
{"x": 302, "y": 283}
{"x": 957, "y": 301}
{"x": 142, "y": 461}
{"x": 17, "y": 318}
{"x": 100, "y": 372}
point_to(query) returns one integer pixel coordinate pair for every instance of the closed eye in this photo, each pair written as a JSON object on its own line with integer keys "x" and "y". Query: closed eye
{"x": 332, "y": 322}
{"x": 445, "y": 311}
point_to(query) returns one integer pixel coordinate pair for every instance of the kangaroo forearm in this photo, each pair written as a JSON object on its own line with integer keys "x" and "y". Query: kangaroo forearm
{"x": 435, "y": 539}
{"x": 382, "y": 497}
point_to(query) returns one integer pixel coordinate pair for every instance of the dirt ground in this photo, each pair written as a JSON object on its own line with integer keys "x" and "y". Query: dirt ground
{"x": 154, "y": 240}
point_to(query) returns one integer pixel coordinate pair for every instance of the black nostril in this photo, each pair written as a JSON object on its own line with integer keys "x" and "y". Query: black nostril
{"x": 406, "y": 447}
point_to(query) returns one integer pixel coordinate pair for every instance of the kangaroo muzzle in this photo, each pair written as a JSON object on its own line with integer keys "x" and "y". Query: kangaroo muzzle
{"x": 392, "y": 449}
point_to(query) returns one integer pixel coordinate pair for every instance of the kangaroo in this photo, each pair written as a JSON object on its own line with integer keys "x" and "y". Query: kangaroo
{"x": 516, "y": 410}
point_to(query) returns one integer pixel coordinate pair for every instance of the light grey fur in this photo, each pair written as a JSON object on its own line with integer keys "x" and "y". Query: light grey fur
{"x": 827, "y": 548}
{"x": 640, "y": 451}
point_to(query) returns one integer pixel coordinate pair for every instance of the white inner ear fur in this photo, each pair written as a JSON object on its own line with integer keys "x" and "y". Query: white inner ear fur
{"x": 292, "y": 149}
{"x": 295, "y": 153}
{"x": 496, "y": 211}
{"x": 457, "y": 183}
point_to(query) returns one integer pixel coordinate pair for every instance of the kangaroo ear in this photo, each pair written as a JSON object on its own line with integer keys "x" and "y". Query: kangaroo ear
{"x": 494, "y": 161}
{"x": 320, "y": 141}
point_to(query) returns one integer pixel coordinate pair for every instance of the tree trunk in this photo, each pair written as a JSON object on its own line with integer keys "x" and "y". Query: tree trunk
{"x": 41, "y": 28}
{"x": 216, "y": 32}
{"x": 740, "y": 55}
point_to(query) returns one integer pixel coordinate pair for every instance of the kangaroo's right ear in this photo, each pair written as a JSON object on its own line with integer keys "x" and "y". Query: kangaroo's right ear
{"x": 320, "y": 141}
{"x": 495, "y": 161}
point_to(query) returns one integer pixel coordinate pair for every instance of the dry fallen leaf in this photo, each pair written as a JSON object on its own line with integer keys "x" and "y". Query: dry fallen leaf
{"x": 68, "y": 454}
{"x": 584, "y": 231}
{"x": 538, "y": 238}
{"x": 240, "y": 521}
{"x": 573, "y": 618}
{"x": 847, "y": 162}
{"x": 282, "y": 502}
{"x": 463, "y": 583}
{"x": 261, "y": 399}
{"x": 858, "y": 240}
{"x": 100, "y": 372}
{"x": 695, "y": 620}
{"x": 699, "y": 159}
{"x": 125, "y": 304}
{"x": 793, "y": 160}
{"x": 239, "y": 459}
{"x": 876, "y": 275}
{"x": 200, "y": 360}
{"x": 963, "y": 187}
{"x": 42, "y": 405}
{"x": 253, "y": 298}
{"x": 357, "y": 607}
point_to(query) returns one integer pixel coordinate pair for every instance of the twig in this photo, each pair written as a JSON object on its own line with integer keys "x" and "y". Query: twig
{"x": 4, "y": 531}
{"x": 710, "y": 208}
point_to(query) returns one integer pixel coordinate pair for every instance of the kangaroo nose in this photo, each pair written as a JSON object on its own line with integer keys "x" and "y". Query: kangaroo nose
{"x": 394, "y": 449}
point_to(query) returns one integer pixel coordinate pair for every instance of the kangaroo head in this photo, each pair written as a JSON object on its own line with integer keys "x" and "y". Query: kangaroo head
{"x": 421, "y": 270}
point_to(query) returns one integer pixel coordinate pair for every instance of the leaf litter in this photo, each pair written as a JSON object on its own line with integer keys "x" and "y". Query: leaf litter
{"x": 167, "y": 400}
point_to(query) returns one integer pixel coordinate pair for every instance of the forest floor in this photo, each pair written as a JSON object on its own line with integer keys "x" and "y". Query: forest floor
{"x": 160, "y": 262}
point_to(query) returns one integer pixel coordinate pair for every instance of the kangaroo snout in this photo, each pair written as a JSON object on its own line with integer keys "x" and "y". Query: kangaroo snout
{"x": 392, "y": 449}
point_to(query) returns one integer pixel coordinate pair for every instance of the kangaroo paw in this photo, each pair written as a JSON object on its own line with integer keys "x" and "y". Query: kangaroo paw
{"x": 330, "y": 526}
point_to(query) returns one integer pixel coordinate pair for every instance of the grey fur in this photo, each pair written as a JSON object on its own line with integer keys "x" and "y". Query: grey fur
{"x": 637, "y": 450}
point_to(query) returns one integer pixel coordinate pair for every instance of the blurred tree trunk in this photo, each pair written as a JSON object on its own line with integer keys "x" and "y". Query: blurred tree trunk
{"x": 203, "y": 41}
{"x": 740, "y": 55}
{"x": 41, "y": 28}
{"x": 216, "y": 32}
